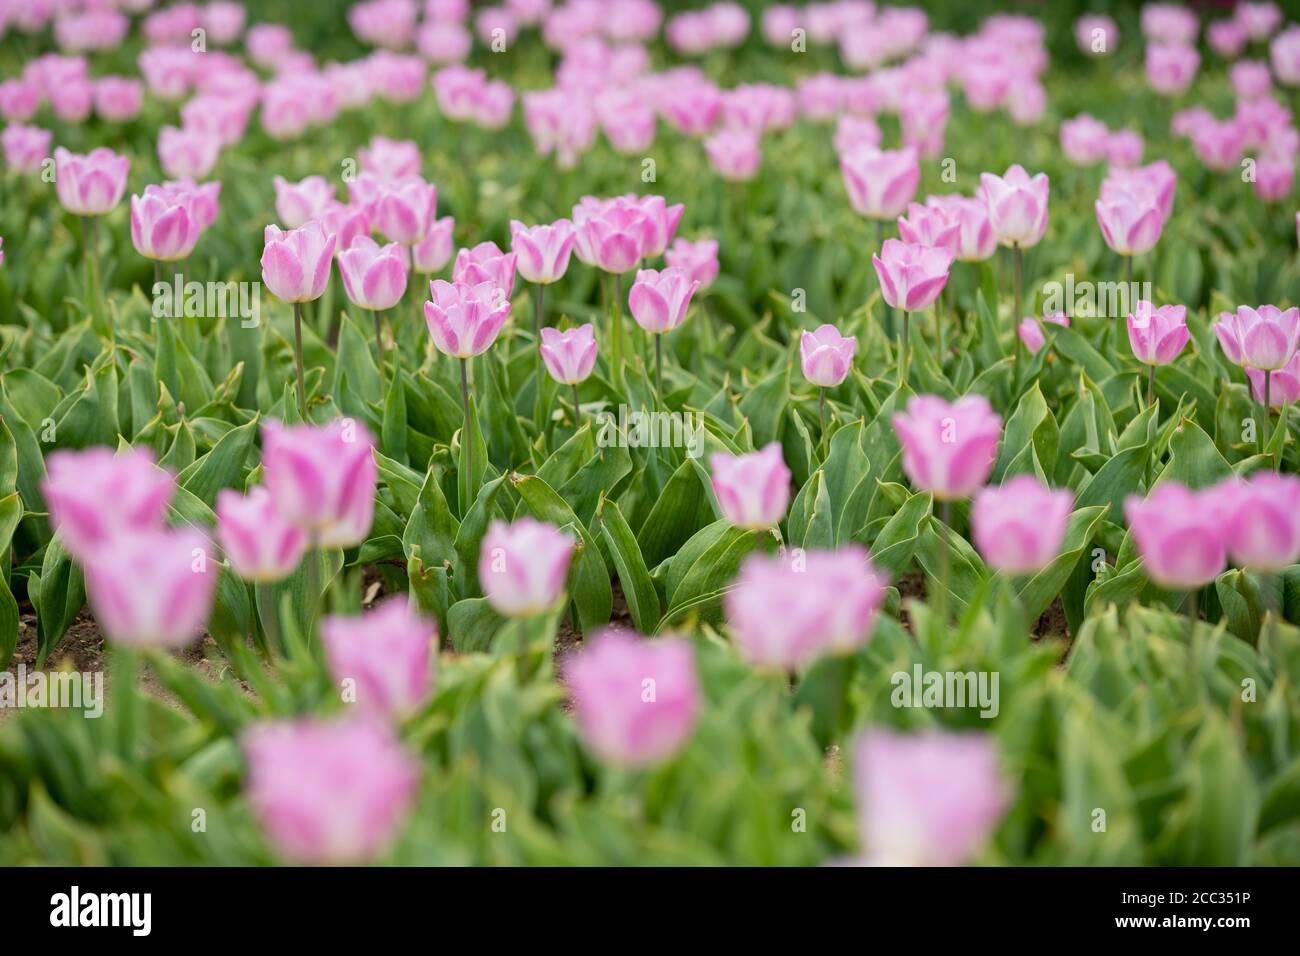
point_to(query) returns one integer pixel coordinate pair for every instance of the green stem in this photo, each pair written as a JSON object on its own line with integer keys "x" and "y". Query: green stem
{"x": 1016, "y": 316}
{"x": 1268, "y": 410}
{"x": 577, "y": 409}
{"x": 466, "y": 434}
{"x": 1193, "y": 607}
{"x": 821, "y": 411}
{"x": 1151, "y": 385}
{"x": 616, "y": 333}
{"x": 945, "y": 568}
{"x": 659, "y": 366}
{"x": 938, "y": 328}
{"x": 297, "y": 357}
{"x": 379, "y": 347}
{"x": 902, "y": 348}
{"x": 537, "y": 316}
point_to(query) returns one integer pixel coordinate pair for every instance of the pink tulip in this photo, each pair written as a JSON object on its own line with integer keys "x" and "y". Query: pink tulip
{"x": 296, "y": 264}
{"x": 1259, "y": 20}
{"x": 1179, "y": 535}
{"x": 636, "y": 701}
{"x": 1284, "y": 386}
{"x": 19, "y": 100}
{"x": 1157, "y": 335}
{"x": 611, "y": 234}
{"x": 948, "y": 448}
{"x": 1084, "y": 139}
{"x": 25, "y": 147}
{"x": 1096, "y": 35}
{"x": 90, "y": 185}
{"x": 1283, "y": 53}
{"x": 464, "y": 320}
{"x": 880, "y": 183}
{"x": 853, "y": 133}
{"x": 663, "y": 220}
{"x": 387, "y": 654}
{"x": 1124, "y": 148}
{"x": 328, "y": 793}
{"x": 784, "y": 614}
{"x": 1273, "y": 177}
{"x": 181, "y": 584}
{"x": 73, "y": 101}
{"x": 1154, "y": 183}
{"x": 522, "y": 566}
{"x": 1261, "y": 520}
{"x": 660, "y": 299}
{"x": 1171, "y": 68}
{"x": 924, "y": 117}
{"x": 930, "y": 226}
{"x": 442, "y": 43}
{"x": 1263, "y": 338}
{"x": 1031, "y": 334}
{"x": 322, "y": 479}
{"x": 202, "y": 200}
{"x": 976, "y": 241}
{"x": 299, "y": 203}
{"x": 699, "y": 259}
{"x": 1226, "y": 38}
{"x": 163, "y": 231}
{"x": 118, "y": 99}
{"x": 826, "y": 356}
{"x": 402, "y": 210}
{"x": 268, "y": 42}
{"x": 1169, "y": 23}
{"x": 259, "y": 544}
{"x": 1130, "y": 225}
{"x": 911, "y": 276}
{"x": 187, "y": 152}
{"x": 343, "y": 224}
{"x": 1219, "y": 145}
{"x": 571, "y": 355}
{"x": 542, "y": 252}
{"x": 927, "y": 798}
{"x": 96, "y": 496}
{"x": 390, "y": 158}
{"x": 374, "y": 276}
{"x": 753, "y": 490}
{"x": 432, "y": 253}
{"x": 1019, "y": 527}
{"x": 1017, "y": 206}
{"x": 224, "y": 20}
{"x": 1250, "y": 79}
{"x": 734, "y": 153}
{"x": 486, "y": 263}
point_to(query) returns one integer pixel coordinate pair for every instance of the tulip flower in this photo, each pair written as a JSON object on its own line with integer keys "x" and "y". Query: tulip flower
{"x": 1130, "y": 225}
{"x": 1019, "y": 527}
{"x": 734, "y": 153}
{"x": 1096, "y": 35}
{"x": 826, "y": 356}
{"x": 542, "y": 256}
{"x": 1284, "y": 384}
{"x": 1171, "y": 67}
{"x": 118, "y": 99}
{"x": 948, "y": 448}
{"x": 432, "y": 253}
{"x": 569, "y": 357}
{"x": 258, "y": 542}
{"x": 1179, "y": 535}
{"x": 522, "y": 566}
{"x": 1084, "y": 139}
{"x": 187, "y": 152}
{"x": 1157, "y": 336}
{"x": 1284, "y": 54}
{"x": 96, "y": 496}
{"x": 374, "y": 278}
{"x": 635, "y": 701}
{"x": 390, "y": 158}
{"x": 322, "y": 479}
{"x": 296, "y": 268}
{"x": 1261, "y": 520}
{"x": 486, "y": 263}
{"x": 880, "y": 183}
{"x": 976, "y": 241}
{"x": 386, "y": 654}
{"x": 753, "y": 490}
{"x": 90, "y": 186}
{"x": 1226, "y": 38}
{"x": 299, "y": 203}
{"x": 25, "y": 147}
{"x": 1017, "y": 207}
{"x": 927, "y": 798}
{"x": 161, "y": 230}
{"x": 402, "y": 210}
{"x": 911, "y": 278}
{"x": 659, "y": 301}
{"x": 784, "y": 615}
{"x": 328, "y": 793}
{"x": 153, "y": 587}
{"x": 1124, "y": 149}
{"x": 1265, "y": 339}
{"x": 343, "y": 223}
{"x": 699, "y": 259}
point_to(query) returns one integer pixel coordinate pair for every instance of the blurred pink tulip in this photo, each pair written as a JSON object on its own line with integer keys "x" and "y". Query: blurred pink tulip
{"x": 699, "y": 259}
{"x": 402, "y": 210}
{"x": 976, "y": 241}
{"x": 90, "y": 185}
{"x": 19, "y": 100}
{"x": 464, "y": 320}
{"x": 432, "y": 253}
{"x": 187, "y": 152}
{"x": 1031, "y": 334}
{"x": 390, "y": 158}
{"x": 152, "y": 588}
{"x": 387, "y": 653}
{"x": 1017, "y": 206}
{"x": 1019, "y": 527}
{"x": 948, "y": 448}
{"x": 296, "y": 263}
{"x": 1171, "y": 68}
{"x": 1096, "y": 35}
{"x": 734, "y": 153}
{"x": 636, "y": 701}
{"x": 1284, "y": 386}
{"x": 1169, "y": 23}
{"x": 611, "y": 234}
{"x": 753, "y": 490}
{"x": 927, "y": 798}
{"x": 1124, "y": 148}
{"x": 96, "y": 496}
{"x": 322, "y": 479}
{"x": 930, "y": 226}
{"x": 1283, "y": 53}
{"x": 1179, "y": 535}
{"x": 118, "y": 99}
{"x": 522, "y": 566}
{"x": 260, "y": 545}
{"x": 1261, "y": 520}
{"x": 783, "y": 614}
{"x": 880, "y": 183}
{"x": 25, "y": 147}
{"x": 570, "y": 356}
{"x": 1084, "y": 139}
{"x": 343, "y": 224}
{"x": 328, "y": 792}
{"x": 486, "y": 263}
{"x": 299, "y": 203}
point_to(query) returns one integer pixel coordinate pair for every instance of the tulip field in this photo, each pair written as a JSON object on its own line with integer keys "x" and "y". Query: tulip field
{"x": 620, "y": 432}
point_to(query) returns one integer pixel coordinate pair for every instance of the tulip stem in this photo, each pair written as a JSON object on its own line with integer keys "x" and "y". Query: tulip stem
{"x": 938, "y": 328}
{"x": 945, "y": 566}
{"x": 821, "y": 411}
{"x": 1151, "y": 385}
{"x": 659, "y": 366}
{"x": 464, "y": 400}
{"x": 577, "y": 409}
{"x": 1193, "y": 608}
{"x": 902, "y": 349}
{"x": 1016, "y": 316}
{"x": 537, "y": 316}
{"x": 297, "y": 355}
{"x": 616, "y": 333}
{"x": 157, "y": 276}
{"x": 1268, "y": 410}
{"x": 379, "y": 346}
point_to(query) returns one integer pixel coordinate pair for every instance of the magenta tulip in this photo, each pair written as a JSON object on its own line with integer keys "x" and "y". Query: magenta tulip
{"x": 880, "y": 183}
{"x": 570, "y": 356}
{"x": 90, "y": 185}
{"x": 162, "y": 231}
{"x": 1283, "y": 386}
{"x": 522, "y": 566}
{"x": 1265, "y": 338}
{"x": 826, "y": 356}
{"x": 296, "y": 263}
{"x": 1017, "y": 206}
{"x": 486, "y": 263}
{"x": 322, "y": 479}
{"x": 374, "y": 276}
{"x": 1019, "y": 527}
{"x": 258, "y": 542}
{"x": 660, "y": 299}
{"x": 382, "y": 659}
{"x": 948, "y": 448}
{"x": 465, "y": 320}
{"x": 96, "y": 496}
{"x": 1157, "y": 335}
{"x": 753, "y": 490}
{"x": 1179, "y": 535}
{"x": 911, "y": 276}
